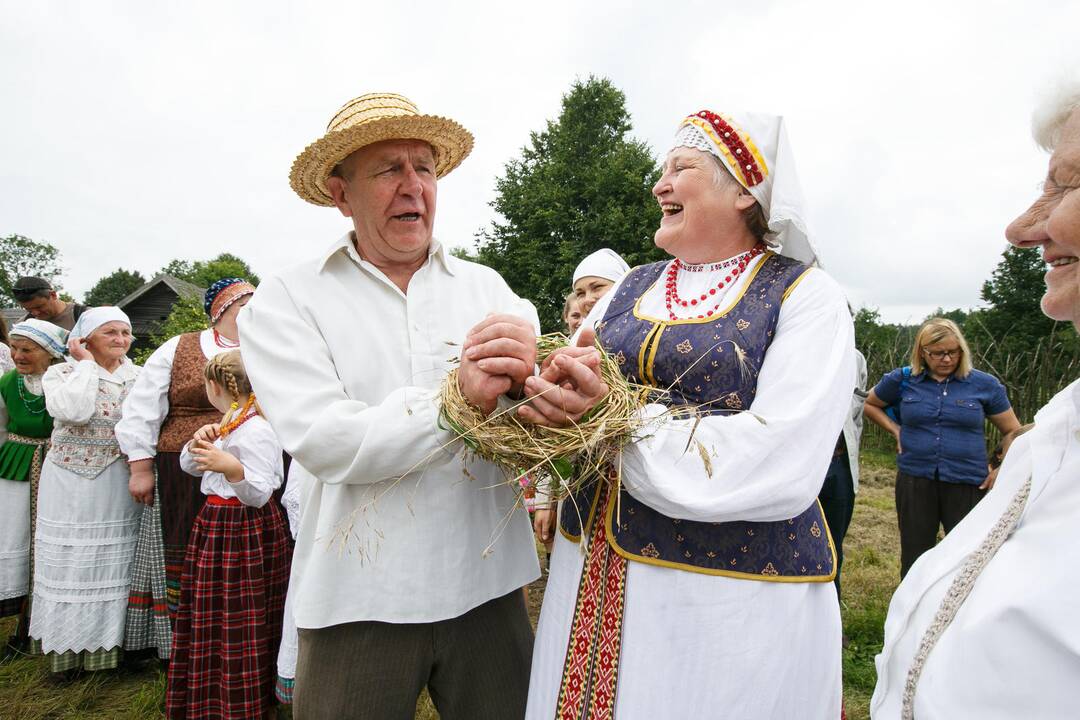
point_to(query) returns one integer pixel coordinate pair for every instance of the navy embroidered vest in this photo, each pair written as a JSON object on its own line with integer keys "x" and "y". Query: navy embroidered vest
{"x": 711, "y": 365}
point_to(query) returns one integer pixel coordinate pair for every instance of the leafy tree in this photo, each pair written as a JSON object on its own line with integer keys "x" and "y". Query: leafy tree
{"x": 187, "y": 316}
{"x": 20, "y": 256}
{"x": 1014, "y": 321}
{"x": 581, "y": 184}
{"x": 958, "y": 316}
{"x": 205, "y": 273}
{"x": 114, "y": 287}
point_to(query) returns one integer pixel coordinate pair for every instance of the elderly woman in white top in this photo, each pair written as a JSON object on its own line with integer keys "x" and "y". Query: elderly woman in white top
{"x": 595, "y": 275}
{"x": 87, "y": 522}
{"x": 984, "y": 625}
{"x": 704, "y": 587}
{"x": 25, "y": 427}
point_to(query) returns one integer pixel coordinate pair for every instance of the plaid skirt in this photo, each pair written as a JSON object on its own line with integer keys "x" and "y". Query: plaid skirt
{"x": 181, "y": 501}
{"x": 228, "y": 626}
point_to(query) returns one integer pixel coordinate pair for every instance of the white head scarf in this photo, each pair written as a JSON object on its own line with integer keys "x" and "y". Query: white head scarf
{"x": 754, "y": 148}
{"x": 94, "y": 318}
{"x": 52, "y": 338}
{"x": 604, "y": 263}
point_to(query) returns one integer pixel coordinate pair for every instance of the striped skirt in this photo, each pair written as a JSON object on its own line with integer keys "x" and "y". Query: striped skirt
{"x": 228, "y": 626}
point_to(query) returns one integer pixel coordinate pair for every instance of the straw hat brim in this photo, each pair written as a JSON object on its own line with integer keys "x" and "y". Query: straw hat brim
{"x": 452, "y": 144}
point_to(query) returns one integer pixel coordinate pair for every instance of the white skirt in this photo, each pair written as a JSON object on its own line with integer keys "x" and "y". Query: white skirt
{"x": 83, "y": 552}
{"x": 701, "y": 646}
{"x": 14, "y": 538}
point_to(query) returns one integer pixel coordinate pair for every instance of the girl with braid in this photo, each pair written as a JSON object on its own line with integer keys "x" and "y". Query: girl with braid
{"x": 236, "y": 569}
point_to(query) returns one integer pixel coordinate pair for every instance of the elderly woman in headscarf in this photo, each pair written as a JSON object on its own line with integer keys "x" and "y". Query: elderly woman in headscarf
{"x": 165, "y": 408}
{"x": 595, "y": 276}
{"x": 25, "y": 426}
{"x": 700, "y": 584}
{"x": 984, "y": 625}
{"x": 87, "y": 522}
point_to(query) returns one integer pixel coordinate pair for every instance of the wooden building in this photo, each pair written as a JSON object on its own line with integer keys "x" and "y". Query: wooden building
{"x": 149, "y": 305}
{"x": 12, "y": 315}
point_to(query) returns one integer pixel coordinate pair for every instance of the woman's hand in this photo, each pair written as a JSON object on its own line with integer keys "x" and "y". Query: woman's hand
{"x": 568, "y": 386}
{"x": 209, "y": 458}
{"x": 544, "y": 525}
{"x": 207, "y": 433}
{"x": 141, "y": 482}
{"x": 991, "y": 478}
{"x": 896, "y": 434}
{"x": 568, "y": 389}
{"x": 77, "y": 349}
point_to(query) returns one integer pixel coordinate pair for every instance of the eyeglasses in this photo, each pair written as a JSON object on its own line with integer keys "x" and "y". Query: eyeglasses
{"x": 942, "y": 354}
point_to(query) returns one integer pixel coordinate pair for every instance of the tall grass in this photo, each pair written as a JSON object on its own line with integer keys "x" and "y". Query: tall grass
{"x": 1031, "y": 375}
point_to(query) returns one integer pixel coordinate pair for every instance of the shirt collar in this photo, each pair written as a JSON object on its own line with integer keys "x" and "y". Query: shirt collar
{"x": 345, "y": 245}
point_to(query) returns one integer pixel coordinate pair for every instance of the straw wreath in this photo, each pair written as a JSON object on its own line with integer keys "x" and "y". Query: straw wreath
{"x": 559, "y": 460}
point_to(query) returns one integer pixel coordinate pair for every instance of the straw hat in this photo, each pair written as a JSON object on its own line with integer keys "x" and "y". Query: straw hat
{"x": 369, "y": 119}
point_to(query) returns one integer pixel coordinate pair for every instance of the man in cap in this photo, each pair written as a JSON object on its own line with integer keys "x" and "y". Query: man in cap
{"x": 410, "y": 555}
{"x": 39, "y": 299}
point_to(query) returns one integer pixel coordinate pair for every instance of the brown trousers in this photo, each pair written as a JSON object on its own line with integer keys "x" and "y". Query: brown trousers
{"x": 922, "y": 504}
{"x": 476, "y": 666}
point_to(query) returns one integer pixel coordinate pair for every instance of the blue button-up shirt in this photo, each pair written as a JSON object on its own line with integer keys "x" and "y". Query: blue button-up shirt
{"x": 942, "y": 423}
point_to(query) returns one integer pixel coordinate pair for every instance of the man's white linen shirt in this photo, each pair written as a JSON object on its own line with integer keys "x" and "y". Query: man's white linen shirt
{"x": 397, "y": 525}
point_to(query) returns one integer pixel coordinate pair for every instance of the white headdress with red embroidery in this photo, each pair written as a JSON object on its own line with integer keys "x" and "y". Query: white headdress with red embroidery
{"x": 754, "y": 148}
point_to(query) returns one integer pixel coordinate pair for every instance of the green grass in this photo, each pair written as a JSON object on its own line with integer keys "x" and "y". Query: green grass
{"x": 871, "y": 573}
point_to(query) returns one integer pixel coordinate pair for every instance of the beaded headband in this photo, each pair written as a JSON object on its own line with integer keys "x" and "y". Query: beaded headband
{"x": 224, "y": 293}
{"x": 727, "y": 141}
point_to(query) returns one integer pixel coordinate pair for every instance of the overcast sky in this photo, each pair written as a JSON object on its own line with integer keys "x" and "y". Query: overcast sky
{"x": 132, "y": 133}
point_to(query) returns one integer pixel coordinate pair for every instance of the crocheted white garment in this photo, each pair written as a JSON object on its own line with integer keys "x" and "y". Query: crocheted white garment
{"x": 692, "y": 136}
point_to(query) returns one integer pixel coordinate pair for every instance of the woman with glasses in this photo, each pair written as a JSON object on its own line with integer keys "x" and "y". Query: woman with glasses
{"x": 942, "y": 403}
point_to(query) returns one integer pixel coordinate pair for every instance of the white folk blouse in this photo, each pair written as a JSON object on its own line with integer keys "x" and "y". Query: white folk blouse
{"x": 684, "y": 629}
{"x": 257, "y": 448}
{"x": 148, "y": 403}
{"x": 398, "y": 524}
{"x": 84, "y": 400}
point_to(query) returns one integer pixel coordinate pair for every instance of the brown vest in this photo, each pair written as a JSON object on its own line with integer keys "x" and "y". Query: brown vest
{"x": 189, "y": 408}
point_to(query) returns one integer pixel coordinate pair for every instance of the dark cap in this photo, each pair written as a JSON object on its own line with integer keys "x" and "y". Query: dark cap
{"x": 26, "y": 287}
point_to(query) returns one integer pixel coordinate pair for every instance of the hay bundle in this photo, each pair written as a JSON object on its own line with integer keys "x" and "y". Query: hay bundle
{"x": 558, "y": 460}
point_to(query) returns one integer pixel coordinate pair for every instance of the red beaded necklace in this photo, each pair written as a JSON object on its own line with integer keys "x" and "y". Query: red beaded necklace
{"x": 236, "y": 422}
{"x": 671, "y": 294}
{"x": 224, "y": 342}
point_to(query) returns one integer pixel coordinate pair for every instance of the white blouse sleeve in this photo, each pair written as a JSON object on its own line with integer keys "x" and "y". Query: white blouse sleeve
{"x": 766, "y": 463}
{"x": 6, "y": 363}
{"x": 147, "y": 405}
{"x": 187, "y": 462}
{"x": 258, "y": 450}
{"x": 71, "y": 391}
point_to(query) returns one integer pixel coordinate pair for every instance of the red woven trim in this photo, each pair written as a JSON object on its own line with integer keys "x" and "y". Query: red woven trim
{"x": 728, "y": 135}
{"x": 590, "y": 671}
